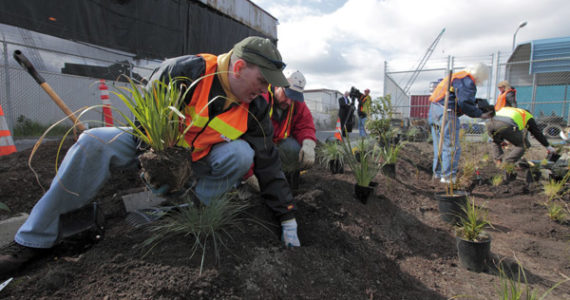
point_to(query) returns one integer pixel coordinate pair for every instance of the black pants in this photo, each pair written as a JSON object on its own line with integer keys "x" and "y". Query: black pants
{"x": 500, "y": 131}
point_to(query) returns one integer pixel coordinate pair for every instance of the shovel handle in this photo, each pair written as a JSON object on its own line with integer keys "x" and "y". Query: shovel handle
{"x": 27, "y": 65}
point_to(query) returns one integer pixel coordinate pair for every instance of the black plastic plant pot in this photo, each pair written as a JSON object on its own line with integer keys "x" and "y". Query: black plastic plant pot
{"x": 336, "y": 166}
{"x": 510, "y": 176}
{"x": 451, "y": 206}
{"x": 389, "y": 170}
{"x": 363, "y": 192}
{"x": 293, "y": 179}
{"x": 532, "y": 175}
{"x": 474, "y": 255}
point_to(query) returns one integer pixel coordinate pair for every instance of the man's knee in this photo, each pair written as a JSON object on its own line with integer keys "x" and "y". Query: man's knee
{"x": 241, "y": 155}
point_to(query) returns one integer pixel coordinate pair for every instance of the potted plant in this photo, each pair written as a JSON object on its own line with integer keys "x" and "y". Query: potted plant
{"x": 364, "y": 169}
{"x": 389, "y": 150}
{"x": 332, "y": 156}
{"x": 510, "y": 172}
{"x": 473, "y": 243}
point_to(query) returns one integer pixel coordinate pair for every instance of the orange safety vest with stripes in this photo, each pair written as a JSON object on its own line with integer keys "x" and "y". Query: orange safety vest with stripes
{"x": 285, "y": 130}
{"x": 439, "y": 92}
{"x": 502, "y": 99}
{"x": 205, "y": 132}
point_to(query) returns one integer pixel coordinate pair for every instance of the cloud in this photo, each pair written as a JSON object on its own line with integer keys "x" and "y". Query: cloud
{"x": 338, "y": 44}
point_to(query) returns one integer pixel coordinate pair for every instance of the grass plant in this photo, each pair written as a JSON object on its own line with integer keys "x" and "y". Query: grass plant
{"x": 471, "y": 225}
{"x": 556, "y": 212}
{"x": 330, "y": 151}
{"x": 497, "y": 180}
{"x": 517, "y": 288}
{"x": 157, "y": 117}
{"x": 206, "y": 224}
{"x": 369, "y": 164}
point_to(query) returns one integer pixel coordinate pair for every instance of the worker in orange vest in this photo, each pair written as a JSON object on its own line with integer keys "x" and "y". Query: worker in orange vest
{"x": 232, "y": 129}
{"x": 507, "y": 97}
{"x": 294, "y": 130}
{"x": 461, "y": 101}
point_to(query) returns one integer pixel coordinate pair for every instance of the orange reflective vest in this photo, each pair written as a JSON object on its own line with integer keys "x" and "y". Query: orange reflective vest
{"x": 439, "y": 92}
{"x": 285, "y": 130}
{"x": 502, "y": 99}
{"x": 205, "y": 132}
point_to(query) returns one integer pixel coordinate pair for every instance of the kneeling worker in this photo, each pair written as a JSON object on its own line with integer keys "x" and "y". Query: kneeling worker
{"x": 511, "y": 124}
{"x": 294, "y": 131}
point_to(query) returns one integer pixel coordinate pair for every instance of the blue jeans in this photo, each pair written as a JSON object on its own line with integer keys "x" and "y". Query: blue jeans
{"x": 361, "y": 128}
{"x": 86, "y": 167}
{"x": 451, "y": 152}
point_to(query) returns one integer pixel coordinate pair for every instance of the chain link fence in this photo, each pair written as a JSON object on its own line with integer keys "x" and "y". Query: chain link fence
{"x": 545, "y": 95}
{"x": 22, "y": 98}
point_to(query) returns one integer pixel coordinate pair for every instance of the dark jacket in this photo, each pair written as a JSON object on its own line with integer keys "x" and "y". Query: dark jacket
{"x": 272, "y": 182}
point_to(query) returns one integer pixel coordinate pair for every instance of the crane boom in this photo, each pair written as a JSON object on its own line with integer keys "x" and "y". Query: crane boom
{"x": 422, "y": 63}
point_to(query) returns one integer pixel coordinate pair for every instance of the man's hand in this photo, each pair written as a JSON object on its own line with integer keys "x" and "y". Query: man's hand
{"x": 307, "y": 153}
{"x": 289, "y": 236}
{"x": 550, "y": 149}
{"x": 157, "y": 190}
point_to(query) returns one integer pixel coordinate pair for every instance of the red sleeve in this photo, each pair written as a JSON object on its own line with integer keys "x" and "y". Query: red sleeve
{"x": 303, "y": 125}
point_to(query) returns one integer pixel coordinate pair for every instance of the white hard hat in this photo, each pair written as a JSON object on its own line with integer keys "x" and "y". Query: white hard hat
{"x": 479, "y": 71}
{"x": 296, "y": 85}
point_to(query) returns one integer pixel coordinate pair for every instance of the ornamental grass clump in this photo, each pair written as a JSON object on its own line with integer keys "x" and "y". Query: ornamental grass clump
{"x": 330, "y": 151}
{"x": 160, "y": 125}
{"x": 474, "y": 221}
{"x": 369, "y": 163}
{"x": 206, "y": 224}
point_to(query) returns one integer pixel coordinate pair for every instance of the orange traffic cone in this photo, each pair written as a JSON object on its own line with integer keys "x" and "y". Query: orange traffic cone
{"x": 107, "y": 113}
{"x": 6, "y": 142}
{"x": 338, "y": 130}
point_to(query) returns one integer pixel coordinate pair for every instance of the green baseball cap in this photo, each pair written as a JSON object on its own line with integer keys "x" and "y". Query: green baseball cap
{"x": 261, "y": 52}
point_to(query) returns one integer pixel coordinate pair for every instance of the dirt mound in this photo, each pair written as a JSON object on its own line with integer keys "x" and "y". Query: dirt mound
{"x": 394, "y": 247}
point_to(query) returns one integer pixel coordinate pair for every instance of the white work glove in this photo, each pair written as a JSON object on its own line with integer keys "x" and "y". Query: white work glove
{"x": 550, "y": 149}
{"x": 307, "y": 153}
{"x": 289, "y": 236}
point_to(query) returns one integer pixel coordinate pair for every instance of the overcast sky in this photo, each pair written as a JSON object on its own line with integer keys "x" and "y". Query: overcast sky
{"x": 342, "y": 43}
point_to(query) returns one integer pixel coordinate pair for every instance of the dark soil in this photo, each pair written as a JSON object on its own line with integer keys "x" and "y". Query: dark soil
{"x": 394, "y": 247}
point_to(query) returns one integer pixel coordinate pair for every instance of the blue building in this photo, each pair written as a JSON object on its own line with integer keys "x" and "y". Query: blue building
{"x": 540, "y": 72}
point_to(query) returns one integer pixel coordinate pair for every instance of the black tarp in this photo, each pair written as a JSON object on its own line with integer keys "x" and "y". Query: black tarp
{"x": 154, "y": 29}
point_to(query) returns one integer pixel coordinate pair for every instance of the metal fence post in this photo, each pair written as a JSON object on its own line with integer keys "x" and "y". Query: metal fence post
{"x": 9, "y": 115}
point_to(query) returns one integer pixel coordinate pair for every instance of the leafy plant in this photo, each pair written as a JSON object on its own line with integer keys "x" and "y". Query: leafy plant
{"x": 518, "y": 288}
{"x": 4, "y": 207}
{"x": 497, "y": 180}
{"x": 157, "y": 111}
{"x": 368, "y": 165}
{"x": 509, "y": 168}
{"x": 389, "y": 149}
{"x": 473, "y": 223}
{"x": 330, "y": 151}
{"x": 556, "y": 212}
{"x": 207, "y": 224}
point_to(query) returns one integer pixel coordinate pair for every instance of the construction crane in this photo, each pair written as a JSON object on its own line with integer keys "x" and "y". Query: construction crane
{"x": 422, "y": 63}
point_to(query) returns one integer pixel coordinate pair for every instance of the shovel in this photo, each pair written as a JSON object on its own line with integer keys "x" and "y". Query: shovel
{"x": 148, "y": 215}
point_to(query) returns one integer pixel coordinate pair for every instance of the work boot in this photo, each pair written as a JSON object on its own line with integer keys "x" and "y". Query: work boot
{"x": 14, "y": 255}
